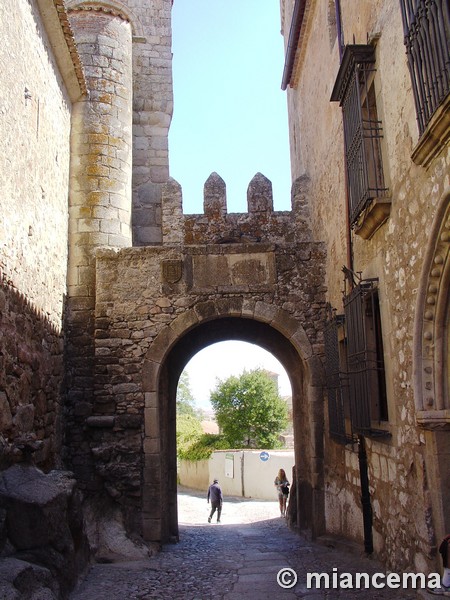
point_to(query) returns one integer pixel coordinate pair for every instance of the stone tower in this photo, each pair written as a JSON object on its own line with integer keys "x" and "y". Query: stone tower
{"x": 119, "y": 161}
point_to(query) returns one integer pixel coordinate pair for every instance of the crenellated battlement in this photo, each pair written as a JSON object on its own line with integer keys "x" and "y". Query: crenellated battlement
{"x": 216, "y": 226}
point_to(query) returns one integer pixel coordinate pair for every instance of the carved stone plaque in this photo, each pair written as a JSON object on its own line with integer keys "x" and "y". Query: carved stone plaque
{"x": 172, "y": 270}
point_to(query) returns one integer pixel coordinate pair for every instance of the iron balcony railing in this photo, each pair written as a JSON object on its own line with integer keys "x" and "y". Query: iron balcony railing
{"x": 426, "y": 25}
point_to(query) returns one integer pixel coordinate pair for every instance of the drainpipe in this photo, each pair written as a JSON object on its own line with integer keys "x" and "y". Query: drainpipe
{"x": 365, "y": 495}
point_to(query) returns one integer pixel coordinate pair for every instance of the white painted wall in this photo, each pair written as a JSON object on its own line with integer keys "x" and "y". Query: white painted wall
{"x": 240, "y": 472}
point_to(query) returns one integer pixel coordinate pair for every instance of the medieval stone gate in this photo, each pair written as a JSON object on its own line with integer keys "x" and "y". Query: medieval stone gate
{"x": 256, "y": 277}
{"x": 149, "y": 286}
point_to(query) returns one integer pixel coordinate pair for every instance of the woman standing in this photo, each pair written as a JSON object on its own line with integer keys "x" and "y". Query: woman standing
{"x": 282, "y": 485}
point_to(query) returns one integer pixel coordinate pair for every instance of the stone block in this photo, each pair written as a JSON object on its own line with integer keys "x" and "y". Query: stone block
{"x": 44, "y": 519}
{"x": 101, "y": 421}
{"x": 5, "y": 413}
{"x": 152, "y": 426}
{"x": 259, "y": 194}
{"x": 184, "y": 322}
{"x": 129, "y": 421}
{"x": 150, "y": 370}
{"x": 206, "y": 310}
{"x": 152, "y": 445}
{"x": 161, "y": 345}
{"x": 151, "y": 529}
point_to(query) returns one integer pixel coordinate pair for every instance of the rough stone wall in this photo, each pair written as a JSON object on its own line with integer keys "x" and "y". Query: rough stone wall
{"x": 139, "y": 297}
{"x": 217, "y": 226}
{"x": 34, "y": 165}
{"x": 405, "y": 513}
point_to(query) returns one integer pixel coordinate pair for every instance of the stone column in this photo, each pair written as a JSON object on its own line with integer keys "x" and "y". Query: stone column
{"x": 99, "y": 203}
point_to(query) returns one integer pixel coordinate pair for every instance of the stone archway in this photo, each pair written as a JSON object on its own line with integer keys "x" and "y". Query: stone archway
{"x": 431, "y": 326}
{"x": 207, "y": 323}
{"x": 432, "y": 364}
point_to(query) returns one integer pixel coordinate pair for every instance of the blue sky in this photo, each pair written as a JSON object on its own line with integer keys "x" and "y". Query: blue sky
{"x": 230, "y": 113}
{"x": 230, "y": 116}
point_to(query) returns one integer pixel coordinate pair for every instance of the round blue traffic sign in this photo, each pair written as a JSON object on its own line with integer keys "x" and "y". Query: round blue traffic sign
{"x": 264, "y": 456}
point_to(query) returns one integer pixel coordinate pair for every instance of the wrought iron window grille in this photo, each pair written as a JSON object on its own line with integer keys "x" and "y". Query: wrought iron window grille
{"x": 354, "y": 90}
{"x": 426, "y": 26}
{"x": 339, "y": 417}
{"x": 366, "y": 374}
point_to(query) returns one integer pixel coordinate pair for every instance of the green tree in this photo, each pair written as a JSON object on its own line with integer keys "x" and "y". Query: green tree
{"x": 189, "y": 431}
{"x": 185, "y": 399}
{"x": 189, "y": 427}
{"x": 249, "y": 410}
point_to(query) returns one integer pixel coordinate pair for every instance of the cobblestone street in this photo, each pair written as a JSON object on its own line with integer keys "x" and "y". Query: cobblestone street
{"x": 238, "y": 558}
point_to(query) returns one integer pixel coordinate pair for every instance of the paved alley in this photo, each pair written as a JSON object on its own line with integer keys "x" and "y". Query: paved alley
{"x": 234, "y": 560}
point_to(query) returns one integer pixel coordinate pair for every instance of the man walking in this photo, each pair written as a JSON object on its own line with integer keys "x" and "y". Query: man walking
{"x": 215, "y": 494}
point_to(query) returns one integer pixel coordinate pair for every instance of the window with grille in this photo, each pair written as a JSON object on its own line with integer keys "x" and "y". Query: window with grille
{"x": 339, "y": 418}
{"x": 426, "y": 25}
{"x": 366, "y": 375}
{"x": 354, "y": 90}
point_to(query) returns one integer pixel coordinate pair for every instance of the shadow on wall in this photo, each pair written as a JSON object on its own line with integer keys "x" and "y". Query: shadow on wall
{"x": 31, "y": 371}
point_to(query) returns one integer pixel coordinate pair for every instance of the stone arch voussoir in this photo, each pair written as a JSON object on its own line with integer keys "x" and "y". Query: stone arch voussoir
{"x": 430, "y": 360}
{"x": 203, "y": 312}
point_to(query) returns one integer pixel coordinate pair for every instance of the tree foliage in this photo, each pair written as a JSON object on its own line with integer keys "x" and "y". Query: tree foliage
{"x": 189, "y": 427}
{"x": 249, "y": 410}
{"x": 185, "y": 399}
{"x": 202, "y": 447}
{"x": 189, "y": 431}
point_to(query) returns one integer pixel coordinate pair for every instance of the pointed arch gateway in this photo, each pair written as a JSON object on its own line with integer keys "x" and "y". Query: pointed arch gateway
{"x": 208, "y": 322}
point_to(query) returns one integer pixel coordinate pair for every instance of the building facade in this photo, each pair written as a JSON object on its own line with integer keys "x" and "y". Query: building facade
{"x": 368, "y": 100}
